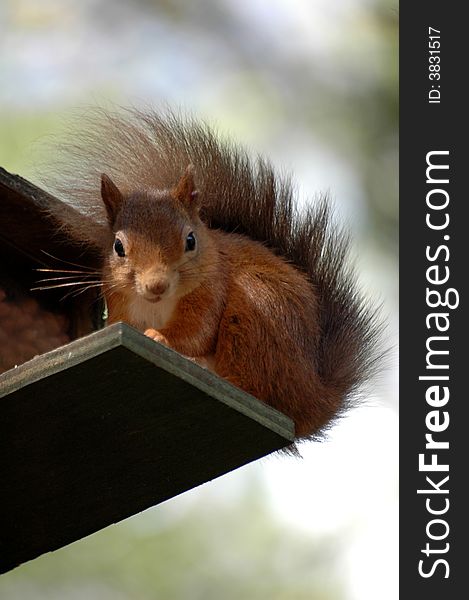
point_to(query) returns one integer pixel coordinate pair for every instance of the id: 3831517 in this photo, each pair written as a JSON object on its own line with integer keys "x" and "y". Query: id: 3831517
{"x": 434, "y": 69}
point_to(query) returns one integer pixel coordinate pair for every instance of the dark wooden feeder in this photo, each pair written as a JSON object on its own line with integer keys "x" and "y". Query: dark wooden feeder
{"x": 97, "y": 424}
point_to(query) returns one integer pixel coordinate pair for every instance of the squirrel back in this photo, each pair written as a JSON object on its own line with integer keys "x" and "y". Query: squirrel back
{"x": 246, "y": 208}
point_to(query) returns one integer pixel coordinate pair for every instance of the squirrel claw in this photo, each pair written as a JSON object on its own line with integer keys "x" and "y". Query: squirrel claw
{"x": 156, "y": 335}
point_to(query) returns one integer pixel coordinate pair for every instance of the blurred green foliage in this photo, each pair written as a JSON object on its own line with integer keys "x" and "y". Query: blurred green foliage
{"x": 213, "y": 551}
{"x": 19, "y": 132}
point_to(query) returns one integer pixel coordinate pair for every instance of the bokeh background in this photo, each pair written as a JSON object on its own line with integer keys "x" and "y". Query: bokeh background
{"x": 312, "y": 84}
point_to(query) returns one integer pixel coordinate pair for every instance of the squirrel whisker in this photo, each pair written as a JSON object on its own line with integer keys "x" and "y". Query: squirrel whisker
{"x": 66, "y": 262}
{"x": 75, "y": 293}
{"x": 64, "y": 278}
{"x": 60, "y": 285}
{"x": 76, "y": 272}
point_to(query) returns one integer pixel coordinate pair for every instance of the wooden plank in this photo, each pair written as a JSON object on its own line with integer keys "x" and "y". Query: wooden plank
{"x": 109, "y": 425}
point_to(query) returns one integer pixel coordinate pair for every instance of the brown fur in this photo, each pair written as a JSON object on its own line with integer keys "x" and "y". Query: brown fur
{"x": 266, "y": 300}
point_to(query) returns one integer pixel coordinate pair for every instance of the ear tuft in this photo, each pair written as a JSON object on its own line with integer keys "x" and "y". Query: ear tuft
{"x": 112, "y": 198}
{"x": 185, "y": 190}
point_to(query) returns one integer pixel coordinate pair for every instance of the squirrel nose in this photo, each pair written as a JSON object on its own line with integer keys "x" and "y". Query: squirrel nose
{"x": 158, "y": 288}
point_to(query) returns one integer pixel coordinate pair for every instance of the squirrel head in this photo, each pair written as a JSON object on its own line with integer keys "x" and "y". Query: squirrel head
{"x": 159, "y": 242}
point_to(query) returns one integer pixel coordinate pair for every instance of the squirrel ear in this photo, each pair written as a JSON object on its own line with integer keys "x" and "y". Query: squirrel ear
{"x": 185, "y": 190}
{"x": 111, "y": 196}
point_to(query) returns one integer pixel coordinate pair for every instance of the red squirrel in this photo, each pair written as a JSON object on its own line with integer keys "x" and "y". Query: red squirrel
{"x": 204, "y": 251}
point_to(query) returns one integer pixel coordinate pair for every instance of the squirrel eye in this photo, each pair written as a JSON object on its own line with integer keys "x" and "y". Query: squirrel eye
{"x": 190, "y": 242}
{"x": 119, "y": 248}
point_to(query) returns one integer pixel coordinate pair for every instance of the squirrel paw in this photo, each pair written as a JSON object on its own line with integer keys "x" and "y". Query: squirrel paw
{"x": 156, "y": 335}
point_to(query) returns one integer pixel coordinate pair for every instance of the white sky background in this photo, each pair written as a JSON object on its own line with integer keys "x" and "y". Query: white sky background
{"x": 348, "y": 484}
